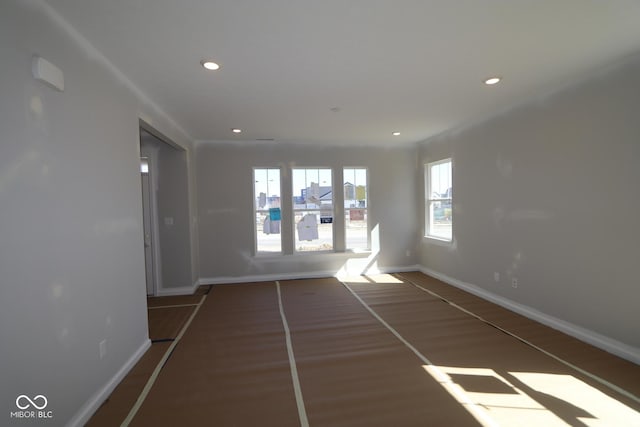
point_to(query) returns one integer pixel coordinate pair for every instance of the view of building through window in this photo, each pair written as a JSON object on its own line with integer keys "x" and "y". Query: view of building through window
{"x": 355, "y": 208}
{"x": 266, "y": 196}
{"x": 439, "y": 206}
{"x": 313, "y": 211}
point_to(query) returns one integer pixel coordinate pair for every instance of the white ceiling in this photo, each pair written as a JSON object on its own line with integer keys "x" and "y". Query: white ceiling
{"x": 415, "y": 66}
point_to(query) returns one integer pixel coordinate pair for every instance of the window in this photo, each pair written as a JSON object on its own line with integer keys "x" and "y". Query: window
{"x": 313, "y": 209}
{"x": 266, "y": 201}
{"x": 355, "y": 208}
{"x": 439, "y": 207}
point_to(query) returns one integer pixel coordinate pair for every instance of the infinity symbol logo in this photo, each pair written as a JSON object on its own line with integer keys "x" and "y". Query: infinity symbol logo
{"x": 20, "y": 399}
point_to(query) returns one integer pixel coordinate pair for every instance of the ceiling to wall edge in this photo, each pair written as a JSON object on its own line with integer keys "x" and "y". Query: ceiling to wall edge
{"x": 85, "y": 45}
{"x": 88, "y": 48}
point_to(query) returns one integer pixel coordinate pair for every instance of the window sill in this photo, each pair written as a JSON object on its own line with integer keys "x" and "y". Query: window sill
{"x": 268, "y": 255}
{"x": 279, "y": 255}
{"x": 437, "y": 240}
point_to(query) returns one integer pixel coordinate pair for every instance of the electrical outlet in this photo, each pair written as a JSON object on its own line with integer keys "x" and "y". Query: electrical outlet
{"x": 514, "y": 282}
{"x": 496, "y": 276}
{"x": 103, "y": 348}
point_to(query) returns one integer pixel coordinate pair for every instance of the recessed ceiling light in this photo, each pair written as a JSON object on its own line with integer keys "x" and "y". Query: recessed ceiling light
{"x": 236, "y": 130}
{"x": 492, "y": 80}
{"x": 396, "y": 133}
{"x": 210, "y": 65}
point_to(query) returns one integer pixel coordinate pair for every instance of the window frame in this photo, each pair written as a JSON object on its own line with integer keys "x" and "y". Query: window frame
{"x": 346, "y": 211}
{"x": 429, "y": 200}
{"x": 256, "y": 251}
{"x": 295, "y": 210}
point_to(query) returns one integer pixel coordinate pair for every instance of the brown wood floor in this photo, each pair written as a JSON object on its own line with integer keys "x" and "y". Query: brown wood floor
{"x": 386, "y": 350}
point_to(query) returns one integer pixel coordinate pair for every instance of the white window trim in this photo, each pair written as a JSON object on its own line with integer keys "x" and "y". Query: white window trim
{"x": 294, "y": 210}
{"x": 256, "y": 252}
{"x": 429, "y": 200}
{"x": 368, "y": 246}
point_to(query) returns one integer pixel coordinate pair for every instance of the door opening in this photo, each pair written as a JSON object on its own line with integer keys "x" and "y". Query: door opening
{"x": 166, "y": 216}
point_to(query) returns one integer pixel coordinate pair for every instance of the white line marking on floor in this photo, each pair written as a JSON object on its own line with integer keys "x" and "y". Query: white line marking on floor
{"x": 530, "y": 344}
{"x": 156, "y": 371}
{"x": 302, "y": 413}
{"x": 477, "y": 411}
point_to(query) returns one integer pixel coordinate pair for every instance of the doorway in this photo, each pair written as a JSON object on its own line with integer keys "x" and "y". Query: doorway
{"x": 166, "y": 214}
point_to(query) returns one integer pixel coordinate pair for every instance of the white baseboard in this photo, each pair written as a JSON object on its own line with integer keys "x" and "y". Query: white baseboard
{"x": 264, "y": 277}
{"x": 601, "y": 341}
{"x": 91, "y": 406}
{"x": 299, "y": 275}
{"x": 182, "y": 290}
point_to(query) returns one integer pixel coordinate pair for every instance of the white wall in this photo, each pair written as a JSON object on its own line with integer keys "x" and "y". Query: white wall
{"x": 71, "y": 252}
{"x": 225, "y": 207}
{"x": 548, "y": 193}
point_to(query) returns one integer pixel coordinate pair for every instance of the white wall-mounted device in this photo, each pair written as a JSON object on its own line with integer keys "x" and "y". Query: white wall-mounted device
{"x": 48, "y": 73}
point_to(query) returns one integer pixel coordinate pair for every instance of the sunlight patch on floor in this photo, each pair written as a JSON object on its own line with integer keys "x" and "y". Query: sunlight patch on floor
{"x": 371, "y": 278}
{"x": 531, "y": 399}
{"x": 593, "y": 407}
{"x": 383, "y": 278}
